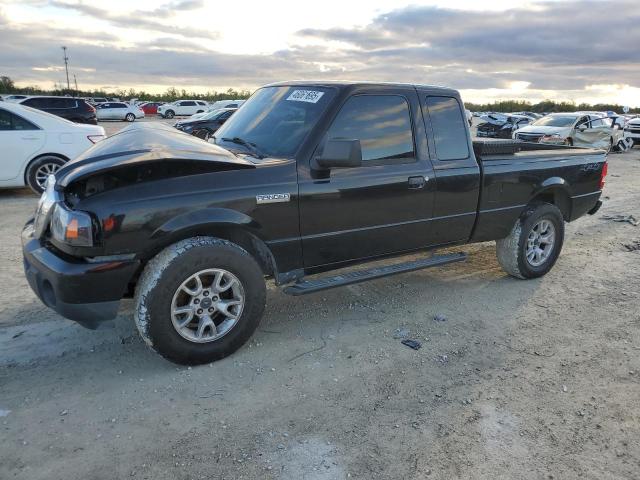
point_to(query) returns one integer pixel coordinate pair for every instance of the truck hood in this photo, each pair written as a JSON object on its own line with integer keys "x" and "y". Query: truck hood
{"x": 147, "y": 143}
{"x": 546, "y": 130}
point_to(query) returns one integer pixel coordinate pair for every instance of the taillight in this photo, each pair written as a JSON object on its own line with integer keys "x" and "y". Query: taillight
{"x": 603, "y": 174}
{"x": 95, "y": 138}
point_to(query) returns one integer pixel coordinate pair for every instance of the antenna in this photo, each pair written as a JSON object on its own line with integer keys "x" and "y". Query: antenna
{"x": 66, "y": 66}
{"x": 75, "y": 80}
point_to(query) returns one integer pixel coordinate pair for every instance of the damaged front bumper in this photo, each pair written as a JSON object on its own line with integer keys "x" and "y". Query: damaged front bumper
{"x": 86, "y": 292}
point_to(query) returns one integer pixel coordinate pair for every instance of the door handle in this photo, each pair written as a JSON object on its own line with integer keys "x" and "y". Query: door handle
{"x": 29, "y": 138}
{"x": 418, "y": 182}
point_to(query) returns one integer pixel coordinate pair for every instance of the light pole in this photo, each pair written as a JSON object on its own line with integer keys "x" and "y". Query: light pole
{"x": 66, "y": 66}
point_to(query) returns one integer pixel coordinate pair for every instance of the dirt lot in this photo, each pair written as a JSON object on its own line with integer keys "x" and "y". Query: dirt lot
{"x": 531, "y": 379}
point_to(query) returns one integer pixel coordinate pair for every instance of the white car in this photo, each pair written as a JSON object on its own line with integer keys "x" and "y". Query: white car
{"x": 182, "y": 107}
{"x": 217, "y": 106}
{"x": 118, "y": 111}
{"x": 36, "y": 144}
{"x": 632, "y": 130}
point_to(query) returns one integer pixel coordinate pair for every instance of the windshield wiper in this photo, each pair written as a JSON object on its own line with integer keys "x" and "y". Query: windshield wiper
{"x": 248, "y": 145}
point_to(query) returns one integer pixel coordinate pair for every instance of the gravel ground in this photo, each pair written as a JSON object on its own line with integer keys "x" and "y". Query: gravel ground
{"x": 516, "y": 379}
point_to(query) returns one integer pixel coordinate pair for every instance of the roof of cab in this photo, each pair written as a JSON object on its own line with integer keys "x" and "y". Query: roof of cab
{"x": 354, "y": 83}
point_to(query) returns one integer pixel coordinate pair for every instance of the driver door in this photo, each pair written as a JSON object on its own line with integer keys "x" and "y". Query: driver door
{"x": 384, "y": 205}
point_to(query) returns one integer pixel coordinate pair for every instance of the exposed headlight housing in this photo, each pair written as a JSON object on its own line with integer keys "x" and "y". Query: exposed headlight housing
{"x": 71, "y": 227}
{"x": 45, "y": 206}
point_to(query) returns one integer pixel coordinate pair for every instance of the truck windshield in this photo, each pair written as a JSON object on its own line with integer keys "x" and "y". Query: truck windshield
{"x": 275, "y": 120}
{"x": 556, "y": 121}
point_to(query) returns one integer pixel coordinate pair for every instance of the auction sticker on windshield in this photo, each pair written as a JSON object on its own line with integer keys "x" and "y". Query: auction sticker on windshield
{"x": 310, "y": 96}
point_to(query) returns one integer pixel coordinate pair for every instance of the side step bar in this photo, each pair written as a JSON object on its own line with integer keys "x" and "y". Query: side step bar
{"x": 302, "y": 287}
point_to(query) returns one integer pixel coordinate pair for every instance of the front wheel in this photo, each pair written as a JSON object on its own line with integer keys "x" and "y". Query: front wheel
{"x": 534, "y": 244}
{"x": 169, "y": 114}
{"x": 199, "y": 300}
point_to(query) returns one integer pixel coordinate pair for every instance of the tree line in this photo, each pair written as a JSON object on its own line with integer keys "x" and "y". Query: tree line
{"x": 7, "y": 86}
{"x": 546, "y": 106}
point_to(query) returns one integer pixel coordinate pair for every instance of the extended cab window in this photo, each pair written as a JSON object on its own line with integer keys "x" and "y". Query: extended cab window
{"x": 449, "y": 128}
{"x": 382, "y": 123}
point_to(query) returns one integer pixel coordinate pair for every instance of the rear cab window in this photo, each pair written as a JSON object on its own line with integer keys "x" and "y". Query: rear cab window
{"x": 449, "y": 128}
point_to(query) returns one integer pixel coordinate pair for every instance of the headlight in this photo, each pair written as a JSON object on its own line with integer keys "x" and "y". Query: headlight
{"x": 71, "y": 227}
{"x": 555, "y": 138}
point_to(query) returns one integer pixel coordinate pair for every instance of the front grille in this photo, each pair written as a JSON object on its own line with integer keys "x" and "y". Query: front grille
{"x": 529, "y": 137}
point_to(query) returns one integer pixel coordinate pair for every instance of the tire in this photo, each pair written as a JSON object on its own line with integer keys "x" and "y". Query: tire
{"x": 512, "y": 250}
{"x": 39, "y": 169}
{"x": 130, "y": 117}
{"x": 162, "y": 289}
{"x": 200, "y": 111}
{"x": 169, "y": 114}
{"x": 569, "y": 142}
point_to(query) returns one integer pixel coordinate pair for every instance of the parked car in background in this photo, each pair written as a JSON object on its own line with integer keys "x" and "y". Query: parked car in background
{"x": 206, "y": 125}
{"x": 150, "y": 108}
{"x": 498, "y": 125}
{"x": 531, "y": 115}
{"x": 96, "y": 100}
{"x": 589, "y": 129}
{"x": 218, "y": 105}
{"x": 73, "y": 109}
{"x": 469, "y": 116}
{"x": 182, "y": 108}
{"x": 119, "y": 111}
{"x": 35, "y": 144}
{"x": 632, "y": 129}
{"x": 14, "y": 98}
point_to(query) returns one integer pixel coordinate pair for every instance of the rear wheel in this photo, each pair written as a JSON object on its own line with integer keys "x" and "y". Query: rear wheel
{"x": 534, "y": 244}
{"x": 199, "y": 300}
{"x": 130, "y": 117}
{"x": 39, "y": 170}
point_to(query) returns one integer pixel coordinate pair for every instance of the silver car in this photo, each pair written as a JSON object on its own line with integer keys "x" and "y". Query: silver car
{"x": 118, "y": 111}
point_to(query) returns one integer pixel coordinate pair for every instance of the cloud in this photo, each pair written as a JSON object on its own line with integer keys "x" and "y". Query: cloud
{"x": 143, "y": 20}
{"x": 553, "y": 47}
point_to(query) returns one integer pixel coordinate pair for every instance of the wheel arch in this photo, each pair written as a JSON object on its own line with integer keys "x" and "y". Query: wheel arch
{"x": 555, "y": 191}
{"x": 222, "y": 223}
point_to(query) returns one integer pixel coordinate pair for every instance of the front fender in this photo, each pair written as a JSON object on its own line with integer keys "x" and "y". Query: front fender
{"x": 201, "y": 221}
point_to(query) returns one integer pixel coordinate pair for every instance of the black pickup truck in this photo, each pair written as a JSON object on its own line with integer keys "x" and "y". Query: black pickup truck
{"x": 303, "y": 179}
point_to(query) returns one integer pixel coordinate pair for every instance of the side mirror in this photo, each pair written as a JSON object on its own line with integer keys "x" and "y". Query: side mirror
{"x": 340, "y": 153}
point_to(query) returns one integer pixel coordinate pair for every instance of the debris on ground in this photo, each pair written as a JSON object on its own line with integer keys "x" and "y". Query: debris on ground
{"x": 401, "y": 333}
{"x": 412, "y": 344}
{"x": 439, "y": 317}
{"x": 622, "y": 218}
{"x": 633, "y": 246}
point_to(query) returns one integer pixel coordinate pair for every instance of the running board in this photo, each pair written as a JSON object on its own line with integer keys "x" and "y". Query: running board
{"x": 302, "y": 287}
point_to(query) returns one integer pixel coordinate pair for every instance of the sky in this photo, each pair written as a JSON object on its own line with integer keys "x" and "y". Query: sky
{"x": 580, "y": 50}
